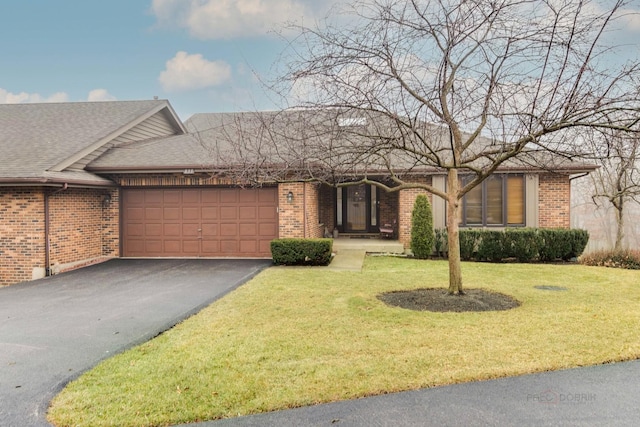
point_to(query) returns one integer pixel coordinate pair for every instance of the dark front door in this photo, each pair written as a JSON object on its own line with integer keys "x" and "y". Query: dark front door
{"x": 357, "y": 209}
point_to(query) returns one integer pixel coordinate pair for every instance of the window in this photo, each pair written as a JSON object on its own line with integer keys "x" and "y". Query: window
{"x": 498, "y": 201}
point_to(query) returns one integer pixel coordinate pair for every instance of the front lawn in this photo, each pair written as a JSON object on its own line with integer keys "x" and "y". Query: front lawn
{"x": 300, "y": 336}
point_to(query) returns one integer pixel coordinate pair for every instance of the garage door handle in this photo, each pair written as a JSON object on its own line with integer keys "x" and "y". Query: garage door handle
{"x": 199, "y": 229}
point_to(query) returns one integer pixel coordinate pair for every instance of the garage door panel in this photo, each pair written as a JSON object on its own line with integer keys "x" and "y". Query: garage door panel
{"x": 228, "y": 195}
{"x": 171, "y": 214}
{"x": 248, "y": 212}
{"x": 267, "y": 212}
{"x": 135, "y": 213}
{"x": 264, "y": 246}
{"x": 210, "y": 247}
{"x": 195, "y": 222}
{"x": 153, "y": 246}
{"x": 134, "y": 230}
{"x": 191, "y": 247}
{"x": 247, "y": 196}
{"x": 209, "y": 212}
{"x": 267, "y": 230}
{"x": 229, "y": 247}
{"x": 248, "y": 230}
{"x": 151, "y": 196}
{"x": 210, "y": 195}
{"x": 153, "y": 230}
{"x": 228, "y": 212}
{"x": 191, "y": 230}
{"x": 190, "y": 213}
{"x": 172, "y": 230}
{"x": 248, "y": 246}
{"x": 227, "y": 230}
{"x": 210, "y": 230}
{"x": 190, "y": 196}
{"x": 173, "y": 197}
{"x": 152, "y": 214}
{"x": 268, "y": 195}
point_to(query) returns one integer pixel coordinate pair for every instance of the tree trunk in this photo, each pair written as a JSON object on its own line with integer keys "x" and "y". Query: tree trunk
{"x": 455, "y": 271}
{"x": 620, "y": 224}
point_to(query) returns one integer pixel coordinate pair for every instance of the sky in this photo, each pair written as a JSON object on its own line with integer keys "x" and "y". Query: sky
{"x": 201, "y": 55}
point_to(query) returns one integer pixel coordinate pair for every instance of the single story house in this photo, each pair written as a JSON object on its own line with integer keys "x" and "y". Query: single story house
{"x": 84, "y": 182}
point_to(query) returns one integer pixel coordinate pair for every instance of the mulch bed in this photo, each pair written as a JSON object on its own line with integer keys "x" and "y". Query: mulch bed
{"x": 438, "y": 300}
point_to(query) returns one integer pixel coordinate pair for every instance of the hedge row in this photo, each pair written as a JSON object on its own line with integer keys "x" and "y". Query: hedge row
{"x": 301, "y": 251}
{"x": 523, "y": 244}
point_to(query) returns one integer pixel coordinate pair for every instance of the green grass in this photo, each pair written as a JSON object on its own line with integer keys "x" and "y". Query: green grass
{"x": 300, "y": 336}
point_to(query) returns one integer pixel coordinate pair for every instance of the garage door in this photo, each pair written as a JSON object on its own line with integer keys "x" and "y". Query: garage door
{"x": 199, "y": 222}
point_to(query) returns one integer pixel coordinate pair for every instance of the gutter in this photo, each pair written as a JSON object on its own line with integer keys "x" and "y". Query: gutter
{"x": 47, "y": 226}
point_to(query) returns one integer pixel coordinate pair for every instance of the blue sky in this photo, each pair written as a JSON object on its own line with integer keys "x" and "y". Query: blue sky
{"x": 202, "y": 55}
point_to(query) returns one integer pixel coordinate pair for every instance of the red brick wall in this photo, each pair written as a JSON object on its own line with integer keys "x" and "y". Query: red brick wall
{"x": 82, "y": 227}
{"x": 554, "y": 201}
{"x": 387, "y": 207}
{"x": 299, "y": 218}
{"x": 21, "y": 233}
{"x": 406, "y": 201}
{"x": 111, "y": 224}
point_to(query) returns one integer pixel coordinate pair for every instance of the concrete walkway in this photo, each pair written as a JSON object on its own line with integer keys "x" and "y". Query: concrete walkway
{"x": 350, "y": 253}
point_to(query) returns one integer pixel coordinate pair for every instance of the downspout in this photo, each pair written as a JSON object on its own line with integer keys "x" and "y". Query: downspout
{"x": 47, "y": 226}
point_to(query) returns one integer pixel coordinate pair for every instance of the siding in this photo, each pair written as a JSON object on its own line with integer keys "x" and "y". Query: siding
{"x": 156, "y": 126}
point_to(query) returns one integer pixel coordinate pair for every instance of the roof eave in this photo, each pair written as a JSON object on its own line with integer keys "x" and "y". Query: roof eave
{"x": 37, "y": 181}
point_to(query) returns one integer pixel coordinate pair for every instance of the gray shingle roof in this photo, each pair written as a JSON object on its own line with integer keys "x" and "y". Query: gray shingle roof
{"x": 342, "y": 142}
{"x": 170, "y": 153}
{"x": 36, "y": 137}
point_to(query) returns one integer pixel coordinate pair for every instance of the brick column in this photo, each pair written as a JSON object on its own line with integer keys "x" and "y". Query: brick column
{"x": 554, "y": 201}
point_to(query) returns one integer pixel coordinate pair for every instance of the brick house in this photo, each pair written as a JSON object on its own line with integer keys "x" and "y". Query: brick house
{"x": 81, "y": 183}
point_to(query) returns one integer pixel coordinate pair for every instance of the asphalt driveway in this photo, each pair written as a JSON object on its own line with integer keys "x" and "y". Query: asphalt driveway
{"x": 52, "y": 330}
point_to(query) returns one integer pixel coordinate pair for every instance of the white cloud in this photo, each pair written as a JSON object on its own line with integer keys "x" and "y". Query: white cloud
{"x": 100, "y": 95}
{"x": 631, "y": 18}
{"x": 186, "y": 72}
{"x": 223, "y": 19}
{"x": 7, "y": 97}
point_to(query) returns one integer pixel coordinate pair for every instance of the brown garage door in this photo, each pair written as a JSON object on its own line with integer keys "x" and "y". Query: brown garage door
{"x": 199, "y": 222}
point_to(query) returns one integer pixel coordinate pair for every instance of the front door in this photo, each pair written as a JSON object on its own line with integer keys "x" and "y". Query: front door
{"x": 357, "y": 209}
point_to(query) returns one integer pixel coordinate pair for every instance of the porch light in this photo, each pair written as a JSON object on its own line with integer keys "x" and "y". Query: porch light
{"x": 106, "y": 200}
{"x": 290, "y": 197}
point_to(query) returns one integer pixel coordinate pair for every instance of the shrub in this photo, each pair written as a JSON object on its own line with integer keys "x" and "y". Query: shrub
{"x": 469, "y": 242}
{"x": 616, "y": 259}
{"x": 422, "y": 236}
{"x": 579, "y": 240}
{"x": 554, "y": 244}
{"x": 491, "y": 246}
{"x": 440, "y": 244}
{"x": 301, "y": 251}
{"x": 522, "y": 244}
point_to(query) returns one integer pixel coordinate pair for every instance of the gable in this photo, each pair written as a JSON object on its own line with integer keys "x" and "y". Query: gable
{"x": 155, "y": 126}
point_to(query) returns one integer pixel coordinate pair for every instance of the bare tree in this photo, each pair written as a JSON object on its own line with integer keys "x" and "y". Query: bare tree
{"x": 457, "y": 87}
{"x": 617, "y": 181}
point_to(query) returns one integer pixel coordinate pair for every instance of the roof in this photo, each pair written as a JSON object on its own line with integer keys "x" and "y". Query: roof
{"x": 343, "y": 142}
{"x": 174, "y": 153}
{"x": 52, "y": 142}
